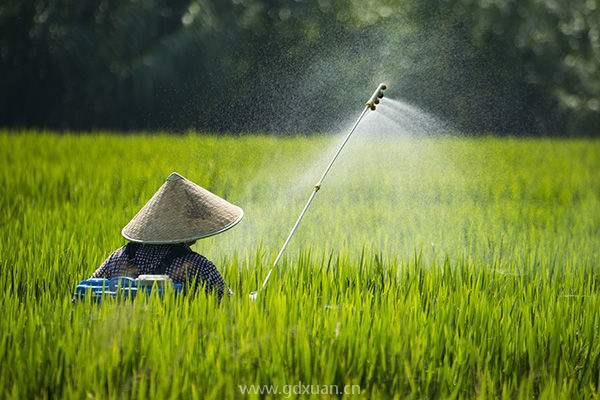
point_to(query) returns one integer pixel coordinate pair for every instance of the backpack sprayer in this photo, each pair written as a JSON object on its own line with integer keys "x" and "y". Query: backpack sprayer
{"x": 125, "y": 287}
{"x": 371, "y": 104}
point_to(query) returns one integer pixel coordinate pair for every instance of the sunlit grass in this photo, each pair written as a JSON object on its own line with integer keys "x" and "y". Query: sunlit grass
{"x": 441, "y": 267}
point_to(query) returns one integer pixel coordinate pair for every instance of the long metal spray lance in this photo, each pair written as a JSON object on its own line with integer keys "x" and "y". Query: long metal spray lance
{"x": 371, "y": 104}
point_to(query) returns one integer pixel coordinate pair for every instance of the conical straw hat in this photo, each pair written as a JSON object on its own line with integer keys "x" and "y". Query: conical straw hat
{"x": 179, "y": 212}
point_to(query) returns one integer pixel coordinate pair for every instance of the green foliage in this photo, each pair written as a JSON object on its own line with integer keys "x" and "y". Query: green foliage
{"x": 281, "y": 65}
{"x": 433, "y": 268}
{"x": 552, "y": 47}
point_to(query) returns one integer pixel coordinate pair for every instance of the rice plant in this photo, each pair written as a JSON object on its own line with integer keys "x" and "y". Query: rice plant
{"x": 428, "y": 268}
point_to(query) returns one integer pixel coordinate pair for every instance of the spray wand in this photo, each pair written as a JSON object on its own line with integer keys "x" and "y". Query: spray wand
{"x": 371, "y": 104}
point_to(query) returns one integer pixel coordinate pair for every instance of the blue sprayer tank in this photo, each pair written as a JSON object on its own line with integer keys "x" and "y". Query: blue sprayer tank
{"x": 125, "y": 287}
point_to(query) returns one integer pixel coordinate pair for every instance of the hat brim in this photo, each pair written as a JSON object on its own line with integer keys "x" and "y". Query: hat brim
{"x": 186, "y": 240}
{"x": 181, "y": 211}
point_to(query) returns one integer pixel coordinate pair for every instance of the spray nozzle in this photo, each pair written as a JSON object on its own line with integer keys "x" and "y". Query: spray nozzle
{"x": 378, "y": 94}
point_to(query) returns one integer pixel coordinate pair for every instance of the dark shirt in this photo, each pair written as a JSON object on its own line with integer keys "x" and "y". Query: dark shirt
{"x": 188, "y": 268}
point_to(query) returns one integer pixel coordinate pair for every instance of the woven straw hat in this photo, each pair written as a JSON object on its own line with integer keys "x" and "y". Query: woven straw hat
{"x": 179, "y": 212}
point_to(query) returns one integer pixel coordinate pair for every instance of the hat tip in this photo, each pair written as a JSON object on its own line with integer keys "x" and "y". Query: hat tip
{"x": 174, "y": 177}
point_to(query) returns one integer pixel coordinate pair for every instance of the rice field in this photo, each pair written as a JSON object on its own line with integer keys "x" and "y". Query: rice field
{"x": 442, "y": 267}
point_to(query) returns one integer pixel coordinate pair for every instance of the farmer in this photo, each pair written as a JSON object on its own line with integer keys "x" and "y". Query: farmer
{"x": 161, "y": 233}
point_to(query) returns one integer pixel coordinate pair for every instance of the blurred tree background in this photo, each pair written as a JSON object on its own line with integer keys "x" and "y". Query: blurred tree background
{"x": 504, "y": 66}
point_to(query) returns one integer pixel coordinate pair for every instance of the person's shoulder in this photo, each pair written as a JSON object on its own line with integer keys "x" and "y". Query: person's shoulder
{"x": 121, "y": 251}
{"x": 118, "y": 254}
{"x": 197, "y": 258}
